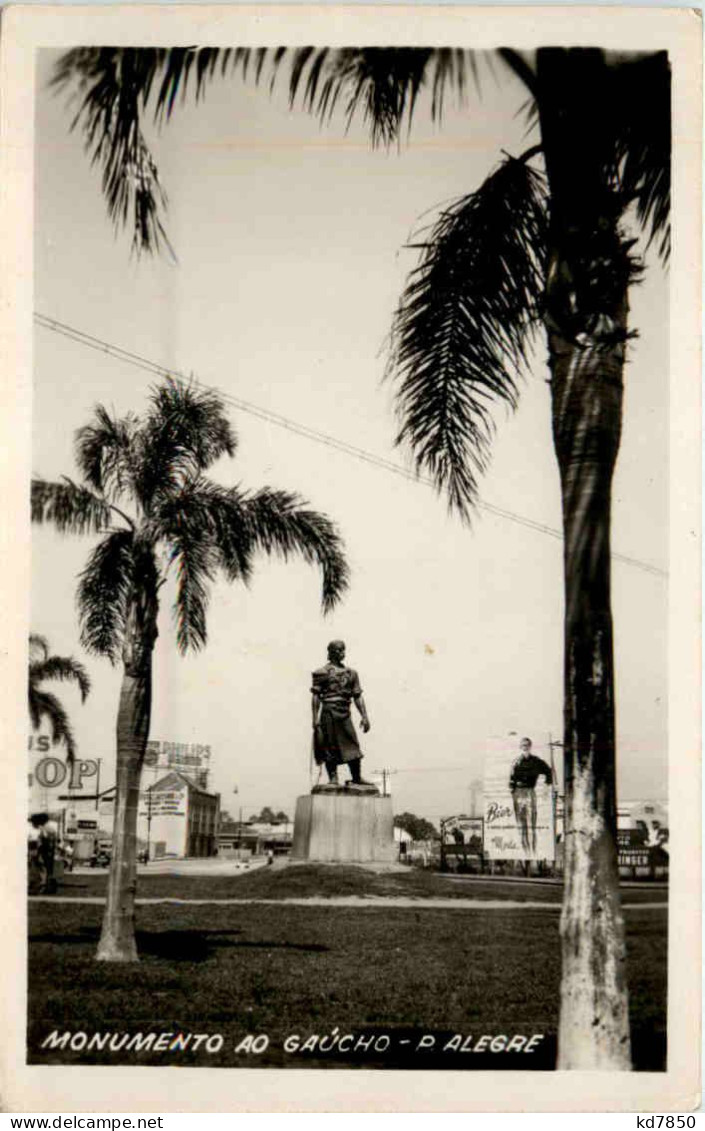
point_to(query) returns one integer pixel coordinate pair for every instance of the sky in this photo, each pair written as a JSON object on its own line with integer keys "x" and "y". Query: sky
{"x": 290, "y": 243}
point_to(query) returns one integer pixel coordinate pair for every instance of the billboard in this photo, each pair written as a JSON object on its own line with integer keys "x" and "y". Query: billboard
{"x": 518, "y": 805}
{"x": 167, "y": 802}
{"x": 462, "y": 836}
{"x": 52, "y": 781}
{"x": 189, "y": 757}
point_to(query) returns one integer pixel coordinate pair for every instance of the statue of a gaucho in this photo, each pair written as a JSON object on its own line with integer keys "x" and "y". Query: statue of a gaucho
{"x": 334, "y": 687}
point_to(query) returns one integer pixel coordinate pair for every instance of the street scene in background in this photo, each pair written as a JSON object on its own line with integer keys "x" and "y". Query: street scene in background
{"x": 348, "y": 740}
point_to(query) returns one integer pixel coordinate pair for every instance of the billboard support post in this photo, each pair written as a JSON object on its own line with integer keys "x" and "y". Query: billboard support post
{"x": 149, "y": 825}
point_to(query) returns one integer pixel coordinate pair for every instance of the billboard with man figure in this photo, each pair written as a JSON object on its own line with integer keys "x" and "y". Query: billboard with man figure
{"x": 518, "y": 805}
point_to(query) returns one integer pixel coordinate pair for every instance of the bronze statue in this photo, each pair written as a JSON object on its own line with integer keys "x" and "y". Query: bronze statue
{"x": 334, "y": 687}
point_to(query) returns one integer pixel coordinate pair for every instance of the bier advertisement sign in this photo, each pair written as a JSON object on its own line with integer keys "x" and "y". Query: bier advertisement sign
{"x": 518, "y": 806}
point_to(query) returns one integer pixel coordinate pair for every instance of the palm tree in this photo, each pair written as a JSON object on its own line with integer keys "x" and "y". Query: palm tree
{"x": 44, "y": 666}
{"x": 144, "y": 490}
{"x": 548, "y": 239}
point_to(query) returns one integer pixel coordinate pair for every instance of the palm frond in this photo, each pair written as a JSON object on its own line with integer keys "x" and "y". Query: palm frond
{"x": 195, "y": 559}
{"x": 44, "y": 705}
{"x": 104, "y": 451}
{"x": 281, "y": 523}
{"x": 450, "y": 70}
{"x": 232, "y": 534}
{"x": 113, "y": 86}
{"x": 642, "y": 122}
{"x": 186, "y": 430}
{"x": 61, "y": 668}
{"x": 182, "y": 67}
{"x": 206, "y": 528}
{"x": 215, "y": 515}
{"x": 382, "y": 82}
{"x": 462, "y": 328}
{"x": 70, "y": 508}
{"x": 103, "y": 593}
{"x": 35, "y": 715}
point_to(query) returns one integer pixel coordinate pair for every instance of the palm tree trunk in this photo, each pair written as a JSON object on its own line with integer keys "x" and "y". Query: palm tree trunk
{"x": 594, "y": 1016}
{"x": 588, "y": 276}
{"x": 117, "y": 940}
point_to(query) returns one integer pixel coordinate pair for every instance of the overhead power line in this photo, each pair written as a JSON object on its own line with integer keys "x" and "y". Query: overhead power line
{"x": 157, "y": 370}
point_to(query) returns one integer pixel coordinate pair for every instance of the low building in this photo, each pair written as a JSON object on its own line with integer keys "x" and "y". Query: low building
{"x": 182, "y": 818}
{"x": 420, "y": 852}
{"x": 255, "y": 838}
{"x": 82, "y": 822}
{"x": 82, "y": 827}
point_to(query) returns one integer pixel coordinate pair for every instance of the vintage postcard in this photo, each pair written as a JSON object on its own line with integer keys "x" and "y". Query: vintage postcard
{"x": 351, "y": 373}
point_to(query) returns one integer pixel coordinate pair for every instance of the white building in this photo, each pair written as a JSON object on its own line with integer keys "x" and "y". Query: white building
{"x": 182, "y": 819}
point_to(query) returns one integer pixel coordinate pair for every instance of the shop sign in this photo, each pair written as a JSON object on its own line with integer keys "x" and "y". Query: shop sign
{"x": 633, "y": 858}
{"x": 51, "y": 772}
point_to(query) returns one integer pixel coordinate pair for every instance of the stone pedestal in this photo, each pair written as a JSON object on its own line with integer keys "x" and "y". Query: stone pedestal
{"x": 344, "y": 828}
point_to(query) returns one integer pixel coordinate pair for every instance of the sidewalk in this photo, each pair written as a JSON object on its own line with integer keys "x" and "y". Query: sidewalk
{"x": 194, "y": 866}
{"x": 344, "y": 901}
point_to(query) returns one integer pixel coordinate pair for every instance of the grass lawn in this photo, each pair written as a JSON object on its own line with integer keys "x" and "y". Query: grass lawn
{"x": 303, "y": 880}
{"x": 383, "y": 975}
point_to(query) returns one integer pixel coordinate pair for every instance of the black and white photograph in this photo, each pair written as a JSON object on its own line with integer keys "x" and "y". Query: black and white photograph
{"x": 355, "y": 410}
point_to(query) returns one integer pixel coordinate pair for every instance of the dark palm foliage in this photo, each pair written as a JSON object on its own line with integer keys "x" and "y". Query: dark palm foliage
{"x": 43, "y": 667}
{"x": 113, "y": 88}
{"x": 641, "y": 103}
{"x": 148, "y": 496}
{"x": 382, "y": 82}
{"x": 464, "y": 324}
{"x": 464, "y": 321}
{"x": 146, "y": 492}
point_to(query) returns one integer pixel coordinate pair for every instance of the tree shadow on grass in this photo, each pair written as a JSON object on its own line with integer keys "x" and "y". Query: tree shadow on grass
{"x": 192, "y": 945}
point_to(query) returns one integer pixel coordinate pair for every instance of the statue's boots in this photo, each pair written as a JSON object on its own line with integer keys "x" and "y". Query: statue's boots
{"x": 356, "y": 777}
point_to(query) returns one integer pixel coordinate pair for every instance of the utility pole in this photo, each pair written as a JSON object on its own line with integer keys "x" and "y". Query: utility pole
{"x": 551, "y": 744}
{"x": 386, "y": 773}
{"x": 554, "y": 794}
